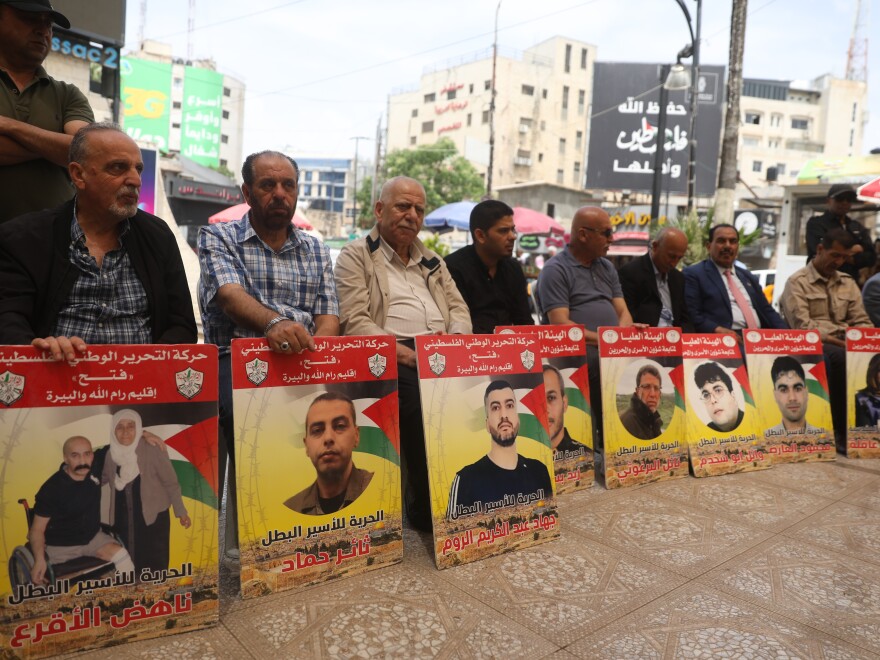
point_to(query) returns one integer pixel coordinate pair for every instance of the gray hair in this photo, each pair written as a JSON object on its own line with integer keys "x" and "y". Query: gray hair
{"x": 79, "y": 148}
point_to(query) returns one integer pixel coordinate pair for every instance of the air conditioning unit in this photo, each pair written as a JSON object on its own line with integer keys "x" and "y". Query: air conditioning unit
{"x": 519, "y": 160}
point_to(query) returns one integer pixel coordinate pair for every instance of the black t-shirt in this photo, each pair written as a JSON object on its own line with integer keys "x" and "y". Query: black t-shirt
{"x": 73, "y": 508}
{"x": 494, "y": 487}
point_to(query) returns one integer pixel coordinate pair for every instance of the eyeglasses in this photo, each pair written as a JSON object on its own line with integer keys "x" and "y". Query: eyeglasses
{"x": 714, "y": 393}
{"x": 607, "y": 233}
{"x": 650, "y": 388}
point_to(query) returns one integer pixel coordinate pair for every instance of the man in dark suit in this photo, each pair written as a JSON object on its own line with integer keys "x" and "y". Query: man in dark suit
{"x": 652, "y": 287}
{"x": 720, "y": 296}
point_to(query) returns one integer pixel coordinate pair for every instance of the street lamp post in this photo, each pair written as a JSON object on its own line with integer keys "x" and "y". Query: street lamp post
{"x": 660, "y": 141}
{"x": 695, "y": 81}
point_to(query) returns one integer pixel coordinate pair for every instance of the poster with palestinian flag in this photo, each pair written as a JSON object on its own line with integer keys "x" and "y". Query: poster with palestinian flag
{"x": 108, "y": 462}
{"x": 863, "y": 392}
{"x": 722, "y": 421}
{"x": 490, "y": 465}
{"x": 317, "y": 452}
{"x": 567, "y": 389}
{"x": 643, "y": 405}
{"x": 790, "y": 387}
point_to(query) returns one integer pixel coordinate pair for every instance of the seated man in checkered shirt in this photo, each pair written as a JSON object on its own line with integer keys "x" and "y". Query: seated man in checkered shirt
{"x": 262, "y": 277}
{"x": 94, "y": 270}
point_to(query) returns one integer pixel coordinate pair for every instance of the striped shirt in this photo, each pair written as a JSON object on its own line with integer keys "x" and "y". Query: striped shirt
{"x": 296, "y": 282}
{"x": 107, "y": 304}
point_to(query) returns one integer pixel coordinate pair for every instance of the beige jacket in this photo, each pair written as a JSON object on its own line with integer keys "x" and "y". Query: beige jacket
{"x": 362, "y": 286}
{"x": 810, "y": 301}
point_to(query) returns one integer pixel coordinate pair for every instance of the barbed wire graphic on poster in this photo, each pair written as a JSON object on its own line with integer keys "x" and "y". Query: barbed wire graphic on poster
{"x": 318, "y": 461}
{"x": 109, "y": 463}
{"x": 490, "y": 465}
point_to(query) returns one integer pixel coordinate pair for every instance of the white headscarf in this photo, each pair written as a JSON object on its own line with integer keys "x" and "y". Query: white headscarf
{"x": 124, "y": 455}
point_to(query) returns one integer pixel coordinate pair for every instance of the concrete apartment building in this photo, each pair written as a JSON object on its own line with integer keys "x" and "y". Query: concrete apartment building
{"x": 541, "y": 111}
{"x": 785, "y": 124}
{"x": 325, "y": 186}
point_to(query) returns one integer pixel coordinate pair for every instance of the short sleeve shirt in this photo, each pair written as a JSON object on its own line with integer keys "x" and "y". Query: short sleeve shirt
{"x": 586, "y": 291}
{"x": 48, "y": 104}
{"x": 72, "y": 507}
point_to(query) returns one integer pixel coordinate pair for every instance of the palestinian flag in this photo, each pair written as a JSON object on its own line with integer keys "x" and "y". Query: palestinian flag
{"x": 193, "y": 453}
{"x": 817, "y": 380}
{"x": 742, "y": 377}
{"x": 579, "y": 396}
{"x": 676, "y": 375}
{"x": 533, "y": 420}
{"x": 379, "y": 427}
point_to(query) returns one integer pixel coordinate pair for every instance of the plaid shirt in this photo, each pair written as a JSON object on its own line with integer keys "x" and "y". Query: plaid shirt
{"x": 107, "y": 305}
{"x": 297, "y": 281}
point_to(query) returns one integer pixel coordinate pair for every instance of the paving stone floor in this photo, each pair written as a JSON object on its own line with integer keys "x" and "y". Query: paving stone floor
{"x": 783, "y": 563}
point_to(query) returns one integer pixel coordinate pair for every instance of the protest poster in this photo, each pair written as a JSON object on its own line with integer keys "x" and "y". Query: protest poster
{"x": 317, "y": 461}
{"x": 722, "y": 422}
{"x": 863, "y": 392}
{"x": 643, "y": 405}
{"x": 490, "y": 465}
{"x": 131, "y": 526}
{"x": 567, "y": 390}
{"x": 790, "y": 384}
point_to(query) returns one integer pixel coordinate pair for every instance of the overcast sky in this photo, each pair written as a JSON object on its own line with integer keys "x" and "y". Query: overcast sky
{"x": 318, "y": 72}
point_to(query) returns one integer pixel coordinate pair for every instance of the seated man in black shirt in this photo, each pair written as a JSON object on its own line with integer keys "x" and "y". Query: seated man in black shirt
{"x": 490, "y": 280}
{"x": 502, "y": 478}
{"x": 67, "y": 515}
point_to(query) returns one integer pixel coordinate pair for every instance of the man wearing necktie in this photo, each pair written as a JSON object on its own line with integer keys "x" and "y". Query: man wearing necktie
{"x": 720, "y": 296}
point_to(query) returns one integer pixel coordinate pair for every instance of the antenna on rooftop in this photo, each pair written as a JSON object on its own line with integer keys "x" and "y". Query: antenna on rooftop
{"x": 190, "y": 29}
{"x": 143, "y": 24}
{"x": 857, "y": 53}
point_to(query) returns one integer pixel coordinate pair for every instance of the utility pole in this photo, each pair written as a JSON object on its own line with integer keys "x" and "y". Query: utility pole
{"x": 728, "y": 168}
{"x": 492, "y": 107}
{"x": 354, "y": 197}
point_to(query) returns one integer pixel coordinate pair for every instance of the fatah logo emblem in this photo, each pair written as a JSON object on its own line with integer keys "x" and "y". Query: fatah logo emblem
{"x": 189, "y": 382}
{"x": 11, "y": 387}
{"x": 528, "y": 359}
{"x": 377, "y": 364}
{"x": 437, "y": 363}
{"x": 256, "y": 370}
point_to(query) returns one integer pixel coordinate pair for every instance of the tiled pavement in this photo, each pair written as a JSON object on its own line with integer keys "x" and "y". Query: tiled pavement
{"x": 783, "y": 563}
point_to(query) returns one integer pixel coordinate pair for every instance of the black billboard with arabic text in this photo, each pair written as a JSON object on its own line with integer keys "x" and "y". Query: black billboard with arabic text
{"x": 623, "y": 129}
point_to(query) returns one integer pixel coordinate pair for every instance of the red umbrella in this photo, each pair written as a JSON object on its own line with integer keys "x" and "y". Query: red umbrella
{"x": 528, "y": 221}
{"x": 238, "y": 211}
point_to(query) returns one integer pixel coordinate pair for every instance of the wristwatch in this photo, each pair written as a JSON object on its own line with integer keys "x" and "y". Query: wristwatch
{"x": 273, "y": 322}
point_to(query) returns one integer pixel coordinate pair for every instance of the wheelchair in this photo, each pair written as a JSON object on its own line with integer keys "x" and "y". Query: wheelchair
{"x": 21, "y": 562}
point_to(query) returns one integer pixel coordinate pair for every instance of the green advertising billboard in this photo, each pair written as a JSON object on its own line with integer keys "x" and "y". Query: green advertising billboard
{"x": 202, "y": 114}
{"x": 146, "y": 100}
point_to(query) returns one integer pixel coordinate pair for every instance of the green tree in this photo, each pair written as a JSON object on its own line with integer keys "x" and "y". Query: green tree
{"x": 447, "y": 177}
{"x": 364, "y": 208}
{"x": 434, "y": 243}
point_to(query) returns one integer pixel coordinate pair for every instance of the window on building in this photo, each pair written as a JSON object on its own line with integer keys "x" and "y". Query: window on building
{"x": 415, "y": 112}
{"x": 540, "y": 158}
{"x": 544, "y": 94}
{"x": 175, "y": 125}
{"x": 577, "y": 172}
{"x": 780, "y": 168}
{"x": 776, "y": 120}
{"x": 450, "y": 94}
{"x": 471, "y": 88}
{"x": 561, "y": 146}
{"x": 528, "y": 90}
{"x": 176, "y": 105}
{"x": 427, "y": 126}
{"x": 800, "y": 124}
{"x": 227, "y": 91}
{"x": 750, "y": 141}
{"x": 565, "y": 97}
{"x": 578, "y": 140}
{"x": 757, "y": 165}
{"x": 582, "y": 101}
{"x": 525, "y": 124}
{"x": 543, "y": 125}
{"x": 855, "y": 107}
{"x": 551, "y": 209}
{"x": 567, "y": 58}
{"x": 412, "y": 141}
{"x": 753, "y": 118}
{"x": 226, "y": 114}
{"x": 177, "y": 83}
{"x": 430, "y": 98}
{"x": 851, "y": 137}
{"x": 485, "y": 116}
{"x": 583, "y": 58}
{"x": 773, "y": 143}
{"x": 224, "y": 139}
{"x": 469, "y": 119}
{"x": 223, "y": 162}
{"x": 560, "y": 176}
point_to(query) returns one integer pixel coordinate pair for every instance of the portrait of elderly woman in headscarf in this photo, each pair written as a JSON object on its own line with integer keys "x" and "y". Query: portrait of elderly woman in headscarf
{"x": 143, "y": 486}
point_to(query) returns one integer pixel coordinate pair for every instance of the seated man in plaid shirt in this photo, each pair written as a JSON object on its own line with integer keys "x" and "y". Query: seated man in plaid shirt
{"x": 262, "y": 277}
{"x": 94, "y": 270}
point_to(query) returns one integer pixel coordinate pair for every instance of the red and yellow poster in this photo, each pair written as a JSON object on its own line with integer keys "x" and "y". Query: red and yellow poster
{"x": 643, "y": 405}
{"x": 722, "y": 422}
{"x": 109, "y": 494}
{"x": 790, "y": 386}
{"x": 490, "y": 465}
{"x": 317, "y": 461}
{"x": 863, "y": 392}
{"x": 567, "y": 388}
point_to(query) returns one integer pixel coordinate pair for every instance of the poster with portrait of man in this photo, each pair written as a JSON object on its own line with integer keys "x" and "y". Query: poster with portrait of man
{"x": 722, "y": 422}
{"x": 567, "y": 389}
{"x": 317, "y": 453}
{"x": 863, "y": 392}
{"x": 643, "y": 406}
{"x": 790, "y": 385}
{"x": 109, "y": 494}
{"x": 490, "y": 466}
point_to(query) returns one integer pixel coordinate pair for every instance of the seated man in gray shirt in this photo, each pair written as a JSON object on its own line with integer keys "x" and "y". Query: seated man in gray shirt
{"x": 579, "y": 285}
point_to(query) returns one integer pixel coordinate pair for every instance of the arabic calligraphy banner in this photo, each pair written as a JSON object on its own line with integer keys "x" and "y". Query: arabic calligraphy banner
{"x": 489, "y": 463}
{"x": 130, "y": 519}
{"x": 790, "y": 384}
{"x": 567, "y": 389}
{"x": 624, "y": 128}
{"x": 722, "y": 422}
{"x": 202, "y": 115}
{"x": 863, "y": 392}
{"x": 317, "y": 448}
{"x": 643, "y": 405}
